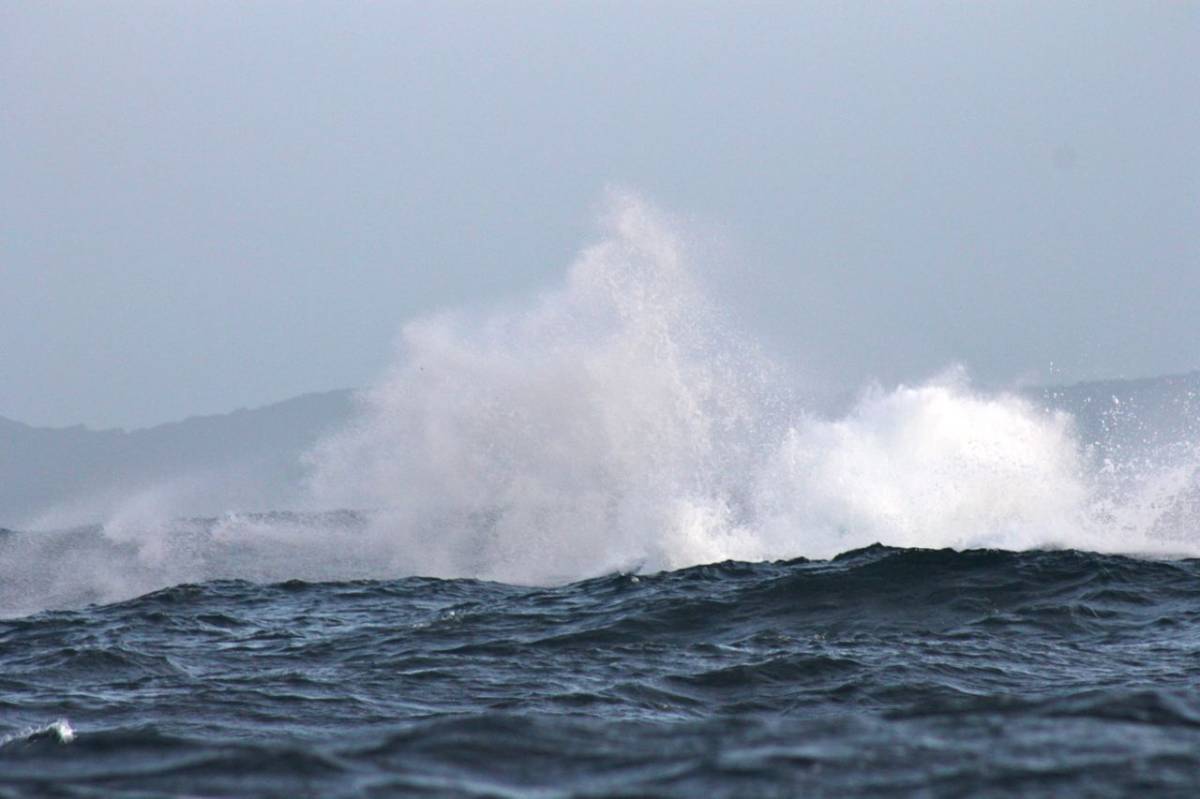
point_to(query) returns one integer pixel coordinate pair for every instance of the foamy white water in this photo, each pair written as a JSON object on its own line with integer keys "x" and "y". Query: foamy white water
{"x": 616, "y": 421}
{"x": 60, "y": 731}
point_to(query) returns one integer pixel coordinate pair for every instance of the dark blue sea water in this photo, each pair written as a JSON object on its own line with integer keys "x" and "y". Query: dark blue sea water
{"x": 883, "y": 672}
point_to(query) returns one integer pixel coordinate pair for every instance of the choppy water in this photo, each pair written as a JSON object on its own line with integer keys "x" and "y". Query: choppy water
{"x": 618, "y": 424}
{"x": 882, "y": 672}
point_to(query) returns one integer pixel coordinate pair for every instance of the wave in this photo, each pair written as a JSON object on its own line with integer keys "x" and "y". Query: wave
{"x": 982, "y": 595}
{"x": 620, "y": 422}
{"x": 59, "y": 731}
{"x": 620, "y": 419}
{"x": 784, "y": 622}
{"x": 723, "y": 679}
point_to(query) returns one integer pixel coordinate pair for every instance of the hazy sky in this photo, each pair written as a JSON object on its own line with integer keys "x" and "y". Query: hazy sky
{"x": 207, "y": 205}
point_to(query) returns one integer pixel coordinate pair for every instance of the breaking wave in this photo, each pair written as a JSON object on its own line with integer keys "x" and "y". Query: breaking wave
{"x": 619, "y": 421}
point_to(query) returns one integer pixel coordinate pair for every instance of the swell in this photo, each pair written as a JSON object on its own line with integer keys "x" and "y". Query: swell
{"x": 877, "y": 589}
{"x": 501, "y": 754}
{"x": 866, "y": 673}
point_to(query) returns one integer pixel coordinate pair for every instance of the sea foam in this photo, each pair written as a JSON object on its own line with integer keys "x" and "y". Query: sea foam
{"x": 619, "y": 421}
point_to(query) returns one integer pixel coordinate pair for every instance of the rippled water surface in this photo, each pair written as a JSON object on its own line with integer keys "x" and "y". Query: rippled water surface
{"x": 881, "y": 672}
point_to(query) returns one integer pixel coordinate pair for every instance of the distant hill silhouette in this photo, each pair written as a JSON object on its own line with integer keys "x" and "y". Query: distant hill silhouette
{"x": 53, "y": 477}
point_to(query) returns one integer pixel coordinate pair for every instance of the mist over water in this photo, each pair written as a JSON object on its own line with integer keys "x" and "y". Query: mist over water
{"x": 619, "y": 421}
{"x": 613, "y": 421}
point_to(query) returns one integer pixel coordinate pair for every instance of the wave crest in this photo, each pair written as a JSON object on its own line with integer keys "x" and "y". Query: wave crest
{"x": 619, "y": 422}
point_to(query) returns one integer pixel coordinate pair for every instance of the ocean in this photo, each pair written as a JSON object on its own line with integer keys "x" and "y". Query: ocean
{"x": 600, "y": 543}
{"x": 882, "y": 672}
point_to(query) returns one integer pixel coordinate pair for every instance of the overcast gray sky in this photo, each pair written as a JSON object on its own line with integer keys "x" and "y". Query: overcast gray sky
{"x": 207, "y": 205}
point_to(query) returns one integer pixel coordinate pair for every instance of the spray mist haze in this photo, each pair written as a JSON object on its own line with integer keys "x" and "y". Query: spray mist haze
{"x": 620, "y": 421}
